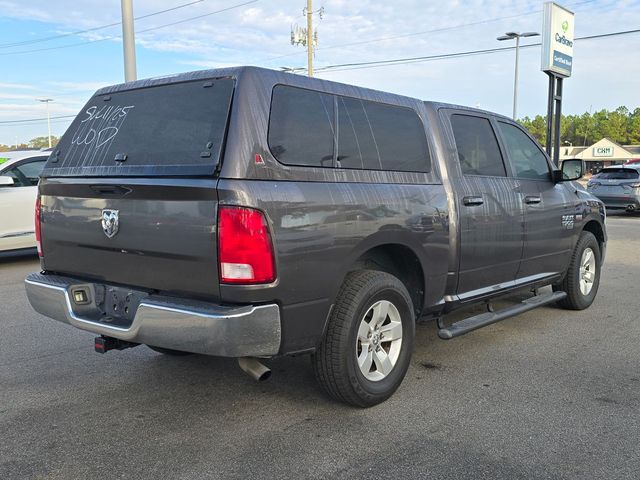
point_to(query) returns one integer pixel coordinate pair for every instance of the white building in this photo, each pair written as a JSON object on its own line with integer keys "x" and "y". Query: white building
{"x": 600, "y": 154}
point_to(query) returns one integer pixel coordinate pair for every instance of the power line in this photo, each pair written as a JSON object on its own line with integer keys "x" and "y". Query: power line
{"x": 424, "y": 32}
{"x": 37, "y": 124}
{"x": 401, "y": 61}
{"x": 111, "y": 37}
{"x": 197, "y": 17}
{"x": 5, "y": 122}
{"x": 397, "y": 61}
{"x": 101, "y": 27}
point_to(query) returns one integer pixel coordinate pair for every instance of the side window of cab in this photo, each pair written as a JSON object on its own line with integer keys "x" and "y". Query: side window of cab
{"x": 25, "y": 174}
{"x": 477, "y": 145}
{"x": 527, "y": 160}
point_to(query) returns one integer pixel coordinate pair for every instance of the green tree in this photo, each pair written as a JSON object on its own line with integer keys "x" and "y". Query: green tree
{"x": 633, "y": 128}
{"x": 536, "y": 127}
{"x": 620, "y": 125}
{"x": 615, "y": 126}
{"x": 43, "y": 142}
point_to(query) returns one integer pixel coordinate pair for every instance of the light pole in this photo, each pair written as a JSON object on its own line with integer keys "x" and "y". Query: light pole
{"x": 128, "y": 41}
{"x": 517, "y": 36}
{"x": 46, "y": 102}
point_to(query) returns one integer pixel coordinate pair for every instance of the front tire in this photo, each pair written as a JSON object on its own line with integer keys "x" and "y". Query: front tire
{"x": 367, "y": 347}
{"x": 582, "y": 279}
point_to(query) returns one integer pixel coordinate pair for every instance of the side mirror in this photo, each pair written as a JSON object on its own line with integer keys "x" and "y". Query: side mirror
{"x": 570, "y": 170}
{"x": 6, "y": 181}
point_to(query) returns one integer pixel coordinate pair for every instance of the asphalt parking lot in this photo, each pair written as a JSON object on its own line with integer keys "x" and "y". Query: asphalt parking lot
{"x": 550, "y": 394}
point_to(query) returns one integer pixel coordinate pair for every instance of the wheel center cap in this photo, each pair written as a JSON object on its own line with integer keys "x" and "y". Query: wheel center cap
{"x": 375, "y": 340}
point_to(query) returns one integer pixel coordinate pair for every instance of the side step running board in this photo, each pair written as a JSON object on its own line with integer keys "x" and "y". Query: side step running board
{"x": 478, "y": 321}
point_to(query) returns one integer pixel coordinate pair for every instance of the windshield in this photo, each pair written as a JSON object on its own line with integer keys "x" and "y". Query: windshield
{"x": 618, "y": 174}
{"x": 174, "y": 129}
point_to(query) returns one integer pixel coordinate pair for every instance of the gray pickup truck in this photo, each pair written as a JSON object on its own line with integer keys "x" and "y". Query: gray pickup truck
{"x": 251, "y": 213}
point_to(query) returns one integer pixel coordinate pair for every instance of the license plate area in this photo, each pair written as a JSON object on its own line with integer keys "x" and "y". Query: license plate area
{"x": 118, "y": 305}
{"x": 107, "y": 304}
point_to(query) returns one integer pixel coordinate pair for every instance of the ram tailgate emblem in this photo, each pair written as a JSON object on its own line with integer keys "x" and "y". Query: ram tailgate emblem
{"x": 110, "y": 224}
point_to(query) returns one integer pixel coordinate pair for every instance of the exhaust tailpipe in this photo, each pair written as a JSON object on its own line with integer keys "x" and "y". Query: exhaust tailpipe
{"x": 631, "y": 208}
{"x": 256, "y": 370}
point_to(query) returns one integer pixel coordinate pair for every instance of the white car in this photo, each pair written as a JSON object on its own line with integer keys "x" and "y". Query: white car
{"x": 18, "y": 192}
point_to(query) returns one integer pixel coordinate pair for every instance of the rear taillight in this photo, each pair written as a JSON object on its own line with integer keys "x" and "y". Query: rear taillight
{"x": 38, "y": 234}
{"x": 245, "y": 251}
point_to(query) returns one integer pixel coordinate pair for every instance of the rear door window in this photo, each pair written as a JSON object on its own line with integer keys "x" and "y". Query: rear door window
{"x": 526, "y": 158}
{"x": 175, "y": 129}
{"x": 306, "y": 129}
{"x": 377, "y": 136}
{"x": 618, "y": 174}
{"x": 301, "y": 127}
{"x": 478, "y": 150}
{"x": 31, "y": 171}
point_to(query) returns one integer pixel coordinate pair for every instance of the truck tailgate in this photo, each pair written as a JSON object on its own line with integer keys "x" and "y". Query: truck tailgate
{"x": 165, "y": 238}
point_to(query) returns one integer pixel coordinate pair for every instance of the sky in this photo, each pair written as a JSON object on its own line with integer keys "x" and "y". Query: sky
{"x": 69, "y": 68}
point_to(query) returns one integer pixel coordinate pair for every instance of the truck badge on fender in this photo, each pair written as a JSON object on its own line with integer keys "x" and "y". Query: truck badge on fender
{"x": 568, "y": 221}
{"x": 110, "y": 224}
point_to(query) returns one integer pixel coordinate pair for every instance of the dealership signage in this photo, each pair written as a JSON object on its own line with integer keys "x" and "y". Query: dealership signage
{"x": 557, "y": 40}
{"x": 603, "y": 151}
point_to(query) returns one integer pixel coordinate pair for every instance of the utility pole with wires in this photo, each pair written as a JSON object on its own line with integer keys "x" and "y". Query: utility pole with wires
{"x": 310, "y": 37}
{"x": 307, "y": 36}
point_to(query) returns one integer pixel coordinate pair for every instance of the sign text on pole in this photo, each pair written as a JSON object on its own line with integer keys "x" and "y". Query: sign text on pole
{"x": 557, "y": 40}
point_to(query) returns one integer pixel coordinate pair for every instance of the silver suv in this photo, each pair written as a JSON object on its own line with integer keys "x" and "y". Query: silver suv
{"x": 617, "y": 186}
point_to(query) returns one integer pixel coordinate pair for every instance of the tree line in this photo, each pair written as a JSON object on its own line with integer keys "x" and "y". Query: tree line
{"x": 34, "y": 143}
{"x": 620, "y": 125}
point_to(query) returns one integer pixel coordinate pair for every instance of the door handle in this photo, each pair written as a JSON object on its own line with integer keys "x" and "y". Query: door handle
{"x": 532, "y": 200}
{"x": 471, "y": 201}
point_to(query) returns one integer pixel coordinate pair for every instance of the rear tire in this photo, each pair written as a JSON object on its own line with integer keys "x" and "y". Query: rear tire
{"x": 582, "y": 278}
{"x": 367, "y": 347}
{"x": 168, "y": 351}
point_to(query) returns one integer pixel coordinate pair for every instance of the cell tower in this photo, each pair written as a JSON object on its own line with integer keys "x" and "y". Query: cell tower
{"x": 307, "y": 37}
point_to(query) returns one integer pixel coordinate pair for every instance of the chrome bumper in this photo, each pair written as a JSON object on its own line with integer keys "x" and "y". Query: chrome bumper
{"x": 178, "y": 324}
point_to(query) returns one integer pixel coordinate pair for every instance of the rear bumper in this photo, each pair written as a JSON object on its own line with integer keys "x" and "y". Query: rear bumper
{"x": 168, "y": 322}
{"x": 620, "y": 201}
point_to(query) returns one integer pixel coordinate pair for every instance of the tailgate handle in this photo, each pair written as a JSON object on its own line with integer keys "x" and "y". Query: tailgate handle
{"x": 471, "y": 201}
{"x": 110, "y": 189}
{"x": 532, "y": 200}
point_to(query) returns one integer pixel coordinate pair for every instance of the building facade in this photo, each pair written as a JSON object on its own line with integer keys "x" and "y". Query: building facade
{"x": 601, "y": 154}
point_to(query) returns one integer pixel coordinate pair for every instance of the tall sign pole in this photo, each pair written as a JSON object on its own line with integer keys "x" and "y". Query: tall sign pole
{"x": 128, "y": 41}
{"x": 557, "y": 62}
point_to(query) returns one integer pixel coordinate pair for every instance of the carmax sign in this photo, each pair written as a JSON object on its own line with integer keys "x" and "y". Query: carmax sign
{"x": 603, "y": 151}
{"x": 557, "y": 40}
